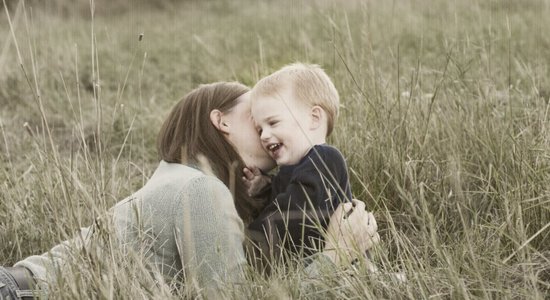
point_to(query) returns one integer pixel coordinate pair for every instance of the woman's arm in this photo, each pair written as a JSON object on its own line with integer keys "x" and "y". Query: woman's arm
{"x": 350, "y": 233}
{"x": 46, "y": 267}
{"x": 209, "y": 234}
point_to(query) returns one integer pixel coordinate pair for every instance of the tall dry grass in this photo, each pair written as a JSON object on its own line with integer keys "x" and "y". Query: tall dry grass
{"x": 444, "y": 122}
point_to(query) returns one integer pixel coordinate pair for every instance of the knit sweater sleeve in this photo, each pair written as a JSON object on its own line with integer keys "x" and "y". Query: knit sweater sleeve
{"x": 209, "y": 234}
{"x": 45, "y": 267}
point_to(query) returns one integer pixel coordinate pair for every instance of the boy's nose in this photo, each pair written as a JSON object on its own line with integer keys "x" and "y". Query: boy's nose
{"x": 265, "y": 135}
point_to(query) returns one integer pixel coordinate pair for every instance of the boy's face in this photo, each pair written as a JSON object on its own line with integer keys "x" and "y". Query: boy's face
{"x": 283, "y": 123}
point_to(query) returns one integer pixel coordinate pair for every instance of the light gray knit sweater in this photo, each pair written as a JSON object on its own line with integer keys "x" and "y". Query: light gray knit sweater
{"x": 190, "y": 222}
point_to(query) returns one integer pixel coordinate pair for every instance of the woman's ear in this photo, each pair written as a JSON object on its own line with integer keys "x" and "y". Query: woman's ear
{"x": 317, "y": 117}
{"x": 216, "y": 117}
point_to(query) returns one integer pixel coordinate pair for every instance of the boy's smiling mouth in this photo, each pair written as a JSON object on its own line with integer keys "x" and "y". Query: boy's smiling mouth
{"x": 273, "y": 149}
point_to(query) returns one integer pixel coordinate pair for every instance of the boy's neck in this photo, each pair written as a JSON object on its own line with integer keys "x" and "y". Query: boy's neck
{"x": 317, "y": 139}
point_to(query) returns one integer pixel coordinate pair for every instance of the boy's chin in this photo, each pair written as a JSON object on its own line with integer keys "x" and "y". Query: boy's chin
{"x": 286, "y": 162}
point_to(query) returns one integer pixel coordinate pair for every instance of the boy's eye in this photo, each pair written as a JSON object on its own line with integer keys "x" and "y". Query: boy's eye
{"x": 273, "y": 123}
{"x": 260, "y": 131}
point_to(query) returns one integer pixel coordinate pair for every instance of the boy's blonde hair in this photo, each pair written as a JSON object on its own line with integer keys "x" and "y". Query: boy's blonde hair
{"x": 308, "y": 83}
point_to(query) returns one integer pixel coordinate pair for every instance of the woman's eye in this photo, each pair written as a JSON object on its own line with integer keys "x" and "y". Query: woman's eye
{"x": 273, "y": 123}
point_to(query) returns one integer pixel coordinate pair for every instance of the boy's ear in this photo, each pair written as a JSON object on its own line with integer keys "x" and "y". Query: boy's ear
{"x": 216, "y": 117}
{"x": 317, "y": 117}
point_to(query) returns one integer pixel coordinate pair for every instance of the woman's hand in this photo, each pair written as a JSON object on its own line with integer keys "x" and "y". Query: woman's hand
{"x": 351, "y": 232}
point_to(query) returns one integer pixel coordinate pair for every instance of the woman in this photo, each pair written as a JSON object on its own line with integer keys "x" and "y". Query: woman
{"x": 190, "y": 216}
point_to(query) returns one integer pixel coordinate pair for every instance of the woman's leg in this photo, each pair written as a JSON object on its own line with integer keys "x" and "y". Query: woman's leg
{"x": 7, "y": 285}
{"x": 15, "y": 283}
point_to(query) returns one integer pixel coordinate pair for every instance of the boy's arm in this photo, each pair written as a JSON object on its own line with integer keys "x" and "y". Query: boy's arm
{"x": 257, "y": 184}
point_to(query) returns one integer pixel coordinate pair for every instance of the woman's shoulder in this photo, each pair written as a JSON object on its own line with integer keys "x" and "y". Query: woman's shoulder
{"x": 177, "y": 175}
{"x": 192, "y": 188}
{"x": 172, "y": 182}
{"x": 172, "y": 185}
{"x": 183, "y": 177}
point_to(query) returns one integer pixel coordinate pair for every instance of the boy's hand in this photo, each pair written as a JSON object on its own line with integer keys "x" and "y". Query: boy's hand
{"x": 255, "y": 181}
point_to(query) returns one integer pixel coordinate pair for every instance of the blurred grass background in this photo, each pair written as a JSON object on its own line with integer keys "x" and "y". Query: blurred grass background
{"x": 444, "y": 122}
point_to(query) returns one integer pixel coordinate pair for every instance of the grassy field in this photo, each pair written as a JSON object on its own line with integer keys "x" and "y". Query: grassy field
{"x": 445, "y": 122}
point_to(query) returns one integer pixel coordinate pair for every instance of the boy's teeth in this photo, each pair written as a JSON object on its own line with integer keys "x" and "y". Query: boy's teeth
{"x": 272, "y": 146}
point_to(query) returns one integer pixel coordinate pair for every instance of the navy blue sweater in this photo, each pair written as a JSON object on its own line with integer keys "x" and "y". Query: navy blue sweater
{"x": 303, "y": 197}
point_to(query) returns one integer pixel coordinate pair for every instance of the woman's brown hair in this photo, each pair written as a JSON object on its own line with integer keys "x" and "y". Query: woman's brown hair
{"x": 188, "y": 133}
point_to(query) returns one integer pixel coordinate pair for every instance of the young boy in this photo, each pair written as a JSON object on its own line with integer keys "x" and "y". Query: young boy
{"x": 295, "y": 110}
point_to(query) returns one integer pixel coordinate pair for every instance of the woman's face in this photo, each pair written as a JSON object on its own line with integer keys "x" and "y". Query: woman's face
{"x": 242, "y": 134}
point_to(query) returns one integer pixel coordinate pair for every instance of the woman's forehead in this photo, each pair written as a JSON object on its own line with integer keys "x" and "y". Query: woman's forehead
{"x": 242, "y": 109}
{"x": 243, "y": 103}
